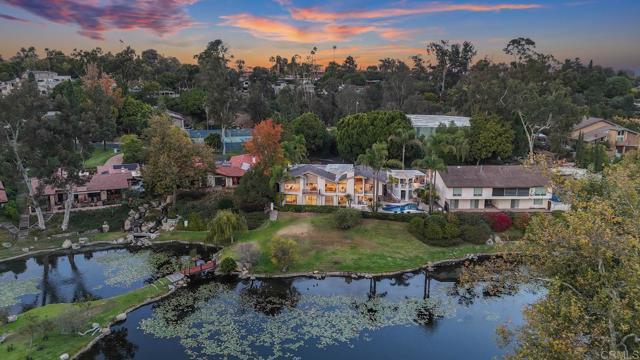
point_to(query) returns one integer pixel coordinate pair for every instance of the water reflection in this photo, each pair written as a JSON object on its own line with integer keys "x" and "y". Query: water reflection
{"x": 88, "y": 275}
{"x": 406, "y": 316}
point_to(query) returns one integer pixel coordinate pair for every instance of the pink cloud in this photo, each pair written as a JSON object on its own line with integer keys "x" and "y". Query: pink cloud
{"x": 317, "y": 15}
{"x": 95, "y": 17}
{"x": 272, "y": 29}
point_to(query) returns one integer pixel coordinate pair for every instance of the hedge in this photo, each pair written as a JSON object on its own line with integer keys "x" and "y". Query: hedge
{"x": 365, "y": 214}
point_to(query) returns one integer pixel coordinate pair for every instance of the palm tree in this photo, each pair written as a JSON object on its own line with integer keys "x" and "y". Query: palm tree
{"x": 295, "y": 150}
{"x": 431, "y": 163}
{"x": 404, "y": 137}
{"x": 376, "y": 159}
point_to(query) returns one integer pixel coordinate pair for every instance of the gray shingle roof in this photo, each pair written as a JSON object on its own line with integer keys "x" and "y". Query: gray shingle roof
{"x": 335, "y": 172}
{"x": 492, "y": 176}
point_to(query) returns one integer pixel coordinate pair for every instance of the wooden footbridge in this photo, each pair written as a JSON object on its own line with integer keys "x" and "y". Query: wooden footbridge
{"x": 201, "y": 268}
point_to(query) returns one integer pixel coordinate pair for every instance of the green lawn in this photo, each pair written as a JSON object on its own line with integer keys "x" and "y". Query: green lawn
{"x": 195, "y": 236}
{"x": 34, "y": 322}
{"x": 98, "y": 157}
{"x": 374, "y": 246}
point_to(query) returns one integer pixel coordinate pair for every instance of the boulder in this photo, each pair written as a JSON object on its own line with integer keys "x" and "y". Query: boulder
{"x": 121, "y": 241}
{"x": 6, "y": 245}
{"x": 105, "y": 227}
{"x": 66, "y": 244}
{"x": 489, "y": 241}
{"x": 497, "y": 239}
{"x": 121, "y": 317}
{"x": 132, "y": 213}
{"x": 130, "y": 238}
{"x": 64, "y": 356}
{"x": 83, "y": 240}
{"x": 106, "y": 331}
{"x": 127, "y": 224}
{"x": 12, "y": 318}
{"x": 25, "y": 250}
{"x": 75, "y": 246}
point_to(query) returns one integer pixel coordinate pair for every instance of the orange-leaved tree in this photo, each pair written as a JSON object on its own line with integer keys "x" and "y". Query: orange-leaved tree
{"x": 265, "y": 144}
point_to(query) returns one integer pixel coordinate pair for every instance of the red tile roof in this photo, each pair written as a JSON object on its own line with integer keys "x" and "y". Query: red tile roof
{"x": 229, "y": 171}
{"x": 98, "y": 182}
{"x": 3, "y": 194}
{"x": 238, "y": 160}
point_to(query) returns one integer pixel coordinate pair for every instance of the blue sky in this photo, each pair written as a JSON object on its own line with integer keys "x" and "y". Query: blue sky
{"x": 607, "y": 31}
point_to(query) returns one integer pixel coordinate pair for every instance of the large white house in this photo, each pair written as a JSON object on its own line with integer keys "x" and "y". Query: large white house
{"x": 492, "y": 187}
{"x": 333, "y": 184}
{"x": 403, "y": 184}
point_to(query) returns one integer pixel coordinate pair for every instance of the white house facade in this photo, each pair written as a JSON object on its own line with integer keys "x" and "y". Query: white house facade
{"x": 402, "y": 185}
{"x": 492, "y": 188}
{"x": 332, "y": 185}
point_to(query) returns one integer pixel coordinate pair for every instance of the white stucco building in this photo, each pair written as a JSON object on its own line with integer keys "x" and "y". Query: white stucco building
{"x": 403, "y": 184}
{"x": 492, "y": 188}
{"x": 333, "y": 185}
{"x": 426, "y": 125}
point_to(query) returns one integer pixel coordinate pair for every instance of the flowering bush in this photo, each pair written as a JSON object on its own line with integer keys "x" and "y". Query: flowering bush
{"x": 500, "y": 222}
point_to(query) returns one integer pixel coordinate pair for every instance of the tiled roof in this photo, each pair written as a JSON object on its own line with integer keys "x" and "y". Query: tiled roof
{"x": 244, "y": 161}
{"x": 98, "y": 182}
{"x": 230, "y": 171}
{"x": 492, "y": 176}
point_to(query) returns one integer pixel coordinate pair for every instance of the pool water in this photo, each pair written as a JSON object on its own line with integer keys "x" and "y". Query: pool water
{"x": 400, "y": 208}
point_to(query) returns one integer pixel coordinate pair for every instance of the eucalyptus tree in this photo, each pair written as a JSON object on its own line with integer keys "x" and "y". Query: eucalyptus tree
{"x": 218, "y": 80}
{"x": 19, "y": 112}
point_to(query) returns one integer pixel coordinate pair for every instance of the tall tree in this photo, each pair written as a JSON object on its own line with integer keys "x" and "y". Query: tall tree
{"x": 312, "y": 129}
{"x": 430, "y": 163}
{"x": 490, "y": 136}
{"x": 453, "y": 60}
{"x": 404, "y": 137}
{"x": 376, "y": 159}
{"x": 20, "y": 111}
{"x": 174, "y": 162}
{"x": 295, "y": 150}
{"x": 265, "y": 144}
{"x": 216, "y": 78}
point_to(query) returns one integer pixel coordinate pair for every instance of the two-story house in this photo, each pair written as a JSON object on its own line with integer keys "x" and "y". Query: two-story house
{"x": 402, "y": 185}
{"x": 333, "y": 185}
{"x": 492, "y": 187}
{"x": 618, "y": 139}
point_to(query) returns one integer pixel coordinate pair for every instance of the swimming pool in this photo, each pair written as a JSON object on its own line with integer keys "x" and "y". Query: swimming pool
{"x": 400, "y": 208}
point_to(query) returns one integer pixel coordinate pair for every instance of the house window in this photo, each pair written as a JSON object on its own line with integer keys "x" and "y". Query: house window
{"x": 328, "y": 200}
{"x": 342, "y": 186}
{"x": 292, "y": 186}
{"x": 620, "y": 135}
{"x": 537, "y": 201}
{"x": 457, "y": 191}
{"x": 498, "y": 192}
{"x": 342, "y": 201}
{"x": 540, "y": 191}
{"x": 291, "y": 199}
{"x": 475, "y": 204}
{"x": 455, "y": 204}
{"x": 515, "y": 203}
{"x": 330, "y": 187}
{"x": 477, "y": 191}
{"x": 310, "y": 200}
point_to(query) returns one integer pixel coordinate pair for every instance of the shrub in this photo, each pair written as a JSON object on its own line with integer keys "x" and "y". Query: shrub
{"x": 436, "y": 229}
{"x": 308, "y": 208}
{"x": 346, "y": 218}
{"x": 475, "y": 234}
{"x": 521, "y": 221}
{"x": 11, "y": 211}
{"x": 153, "y": 215}
{"x": 248, "y": 253}
{"x": 224, "y": 203}
{"x": 468, "y": 218}
{"x": 194, "y": 223}
{"x": 499, "y": 221}
{"x": 284, "y": 252}
{"x": 228, "y": 265}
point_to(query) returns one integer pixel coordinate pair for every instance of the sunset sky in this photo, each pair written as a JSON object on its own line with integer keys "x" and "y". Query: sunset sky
{"x": 607, "y": 31}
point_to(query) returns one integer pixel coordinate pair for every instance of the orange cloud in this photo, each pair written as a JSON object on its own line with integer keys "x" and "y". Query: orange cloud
{"x": 271, "y": 29}
{"x": 315, "y": 14}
